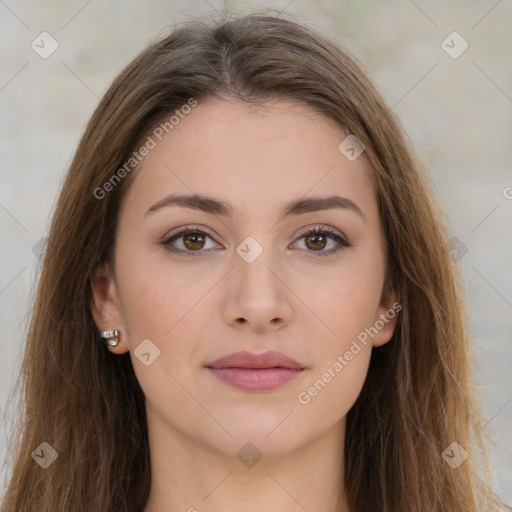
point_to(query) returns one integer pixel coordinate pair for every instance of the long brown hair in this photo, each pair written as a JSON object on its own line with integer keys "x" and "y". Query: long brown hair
{"x": 86, "y": 403}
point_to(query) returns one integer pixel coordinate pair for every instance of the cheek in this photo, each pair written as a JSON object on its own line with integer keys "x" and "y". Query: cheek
{"x": 347, "y": 304}
{"x": 336, "y": 383}
{"x": 347, "y": 300}
{"x": 170, "y": 309}
{"x": 157, "y": 297}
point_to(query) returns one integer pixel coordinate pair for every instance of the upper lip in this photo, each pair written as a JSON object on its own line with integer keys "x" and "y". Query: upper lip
{"x": 244, "y": 359}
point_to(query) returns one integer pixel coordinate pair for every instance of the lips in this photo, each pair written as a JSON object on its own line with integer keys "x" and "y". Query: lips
{"x": 246, "y": 359}
{"x": 255, "y": 372}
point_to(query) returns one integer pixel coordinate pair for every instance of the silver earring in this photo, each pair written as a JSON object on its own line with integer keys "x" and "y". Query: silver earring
{"x": 111, "y": 337}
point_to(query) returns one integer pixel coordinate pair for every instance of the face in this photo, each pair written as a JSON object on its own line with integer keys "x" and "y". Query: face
{"x": 251, "y": 278}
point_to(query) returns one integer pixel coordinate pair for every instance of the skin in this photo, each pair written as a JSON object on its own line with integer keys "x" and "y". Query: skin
{"x": 289, "y": 299}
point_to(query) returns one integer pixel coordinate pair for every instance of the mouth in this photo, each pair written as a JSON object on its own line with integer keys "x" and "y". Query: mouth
{"x": 256, "y": 372}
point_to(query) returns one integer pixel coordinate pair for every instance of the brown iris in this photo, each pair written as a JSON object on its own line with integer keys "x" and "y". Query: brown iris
{"x": 315, "y": 239}
{"x": 196, "y": 239}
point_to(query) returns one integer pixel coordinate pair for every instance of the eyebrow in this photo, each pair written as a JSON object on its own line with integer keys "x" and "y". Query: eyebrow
{"x": 217, "y": 207}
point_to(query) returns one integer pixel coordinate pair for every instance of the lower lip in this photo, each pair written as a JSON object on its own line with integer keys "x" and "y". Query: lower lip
{"x": 256, "y": 379}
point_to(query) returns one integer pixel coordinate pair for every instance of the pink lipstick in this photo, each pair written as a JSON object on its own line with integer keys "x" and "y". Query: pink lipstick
{"x": 256, "y": 372}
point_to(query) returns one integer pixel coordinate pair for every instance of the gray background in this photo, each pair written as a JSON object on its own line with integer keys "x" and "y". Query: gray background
{"x": 457, "y": 111}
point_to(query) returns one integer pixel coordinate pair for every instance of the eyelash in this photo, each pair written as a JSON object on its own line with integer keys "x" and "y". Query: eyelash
{"x": 323, "y": 230}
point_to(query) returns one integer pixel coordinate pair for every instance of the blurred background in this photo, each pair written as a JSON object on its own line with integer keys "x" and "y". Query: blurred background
{"x": 444, "y": 67}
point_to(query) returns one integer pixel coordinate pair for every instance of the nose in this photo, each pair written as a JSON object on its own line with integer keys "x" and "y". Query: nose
{"x": 257, "y": 297}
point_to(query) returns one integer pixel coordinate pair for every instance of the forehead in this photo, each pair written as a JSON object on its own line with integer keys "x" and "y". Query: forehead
{"x": 250, "y": 156}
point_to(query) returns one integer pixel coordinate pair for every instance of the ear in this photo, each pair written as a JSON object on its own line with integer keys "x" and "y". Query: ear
{"x": 387, "y": 315}
{"x": 106, "y": 307}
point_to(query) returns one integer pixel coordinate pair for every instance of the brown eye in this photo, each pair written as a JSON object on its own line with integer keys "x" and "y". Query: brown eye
{"x": 188, "y": 241}
{"x": 316, "y": 242}
{"x": 193, "y": 241}
{"x": 317, "y": 239}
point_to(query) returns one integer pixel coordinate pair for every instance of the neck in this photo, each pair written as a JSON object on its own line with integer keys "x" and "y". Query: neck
{"x": 188, "y": 476}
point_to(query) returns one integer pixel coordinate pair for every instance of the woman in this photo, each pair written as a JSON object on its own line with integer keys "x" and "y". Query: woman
{"x": 247, "y": 299}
